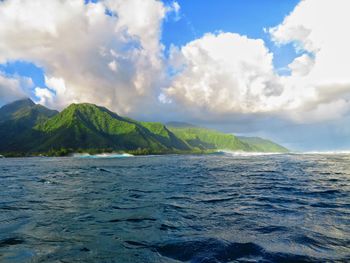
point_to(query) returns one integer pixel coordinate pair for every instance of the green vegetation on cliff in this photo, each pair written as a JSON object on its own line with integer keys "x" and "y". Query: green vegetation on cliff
{"x": 28, "y": 129}
{"x": 262, "y": 145}
{"x": 203, "y": 138}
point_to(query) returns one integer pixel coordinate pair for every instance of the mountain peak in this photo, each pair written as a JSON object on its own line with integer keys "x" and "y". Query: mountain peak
{"x": 8, "y": 111}
{"x": 26, "y": 102}
{"x": 84, "y": 106}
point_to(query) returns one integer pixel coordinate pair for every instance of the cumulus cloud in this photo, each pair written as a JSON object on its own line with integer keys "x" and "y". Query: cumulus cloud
{"x": 302, "y": 65}
{"x": 224, "y": 73}
{"x": 232, "y": 74}
{"x": 319, "y": 27}
{"x": 107, "y": 53}
{"x": 227, "y": 73}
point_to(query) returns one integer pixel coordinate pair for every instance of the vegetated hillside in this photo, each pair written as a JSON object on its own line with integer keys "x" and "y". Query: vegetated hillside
{"x": 87, "y": 126}
{"x": 28, "y": 129}
{"x": 262, "y": 145}
{"x": 33, "y": 129}
{"x": 25, "y": 110}
{"x": 16, "y": 122}
{"x": 203, "y": 138}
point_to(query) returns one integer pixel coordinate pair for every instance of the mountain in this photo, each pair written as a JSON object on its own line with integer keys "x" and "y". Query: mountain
{"x": 30, "y": 129}
{"x": 203, "y": 138}
{"x": 9, "y": 111}
{"x": 26, "y": 110}
{"x": 33, "y": 129}
{"x": 16, "y": 122}
{"x": 262, "y": 145}
{"x": 87, "y": 126}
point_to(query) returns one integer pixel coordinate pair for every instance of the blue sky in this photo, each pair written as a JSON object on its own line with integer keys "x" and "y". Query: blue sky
{"x": 239, "y": 16}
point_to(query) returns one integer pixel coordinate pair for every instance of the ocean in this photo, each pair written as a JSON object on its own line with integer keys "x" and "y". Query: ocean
{"x": 176, "y": 208}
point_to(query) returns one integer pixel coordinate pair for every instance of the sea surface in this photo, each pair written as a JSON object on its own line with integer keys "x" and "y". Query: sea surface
{"x": 206, "y": 208}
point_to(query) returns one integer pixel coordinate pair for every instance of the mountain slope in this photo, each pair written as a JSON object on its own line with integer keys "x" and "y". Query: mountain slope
{"x": 26, "y": 110}
{"x": 28, "y": 129}
{"x": 9, "y": 111}
{"x": 203, "y": 138}
{"x": 87, "y": 126}
{"x": 16, "y": 122}
{"x": 262, "y": 145}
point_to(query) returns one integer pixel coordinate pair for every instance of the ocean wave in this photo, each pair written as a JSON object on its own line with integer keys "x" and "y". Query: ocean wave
{"x": 102, "y": 155}
{"x": 246, "y": 154}
{"x": 323, "y": 153}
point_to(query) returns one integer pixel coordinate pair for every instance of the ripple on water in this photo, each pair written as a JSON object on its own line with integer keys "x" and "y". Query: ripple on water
{"x": 211, "y": 208}
{"x": 213, "y": 250}
{"x": 11, "y": 241}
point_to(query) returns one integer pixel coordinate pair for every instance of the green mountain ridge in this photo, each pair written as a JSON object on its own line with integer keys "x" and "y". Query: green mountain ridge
{"x": 203, "y": 138}
{"x": 258, "y": 144}
{"x": 29, "y": 129}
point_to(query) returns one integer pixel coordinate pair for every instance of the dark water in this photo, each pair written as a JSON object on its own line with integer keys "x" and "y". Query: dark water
{"x": 216, "y": 208}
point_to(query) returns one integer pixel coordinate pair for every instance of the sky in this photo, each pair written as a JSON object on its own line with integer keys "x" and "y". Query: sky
{"x": 277, "y": 69}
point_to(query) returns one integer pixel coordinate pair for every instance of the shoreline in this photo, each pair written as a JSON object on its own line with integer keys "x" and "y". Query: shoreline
{"x": 125, "y": 154}
{"x": 115, "y": 155}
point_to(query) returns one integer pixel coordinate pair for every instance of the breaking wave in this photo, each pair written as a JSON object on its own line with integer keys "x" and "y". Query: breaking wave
{"x": 246, "y": 154}
{"x": 249, "y": 154}
{"x": 102, "y": 155}
{"x": 325, "y": 152}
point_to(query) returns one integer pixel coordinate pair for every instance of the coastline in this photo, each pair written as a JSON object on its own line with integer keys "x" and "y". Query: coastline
{"x": 140, "y": 152}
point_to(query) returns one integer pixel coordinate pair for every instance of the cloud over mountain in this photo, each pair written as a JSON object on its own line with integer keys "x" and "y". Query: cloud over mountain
{"x": 12, "y": 88}
{"x": 107, "y": 52}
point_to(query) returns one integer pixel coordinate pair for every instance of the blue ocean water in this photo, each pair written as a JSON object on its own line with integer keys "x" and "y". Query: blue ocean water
{"x": 208, "y": 208}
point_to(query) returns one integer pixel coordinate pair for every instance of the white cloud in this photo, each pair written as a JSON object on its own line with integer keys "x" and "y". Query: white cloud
{"x": 226, "y": 73}
{"x": 232, "y": 74}
{"x": 113, "y": 66}
{"x": 115, "y": 61}
{"x": 13, "y": 88}
{"x": 45, "y": 96}
{"x": 319, "y": 27}
{"x": 301, "y": 66}
{"x": 175, "y": 8}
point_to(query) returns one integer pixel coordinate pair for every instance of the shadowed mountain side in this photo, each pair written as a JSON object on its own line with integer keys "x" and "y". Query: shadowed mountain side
{"x": 16, "y": 122}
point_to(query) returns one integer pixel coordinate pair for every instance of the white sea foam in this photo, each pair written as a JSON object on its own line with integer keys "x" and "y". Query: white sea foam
{"x": 247, "y": 154}
{"x": 102, "y": 155}
{"x": 324, "y": 152}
